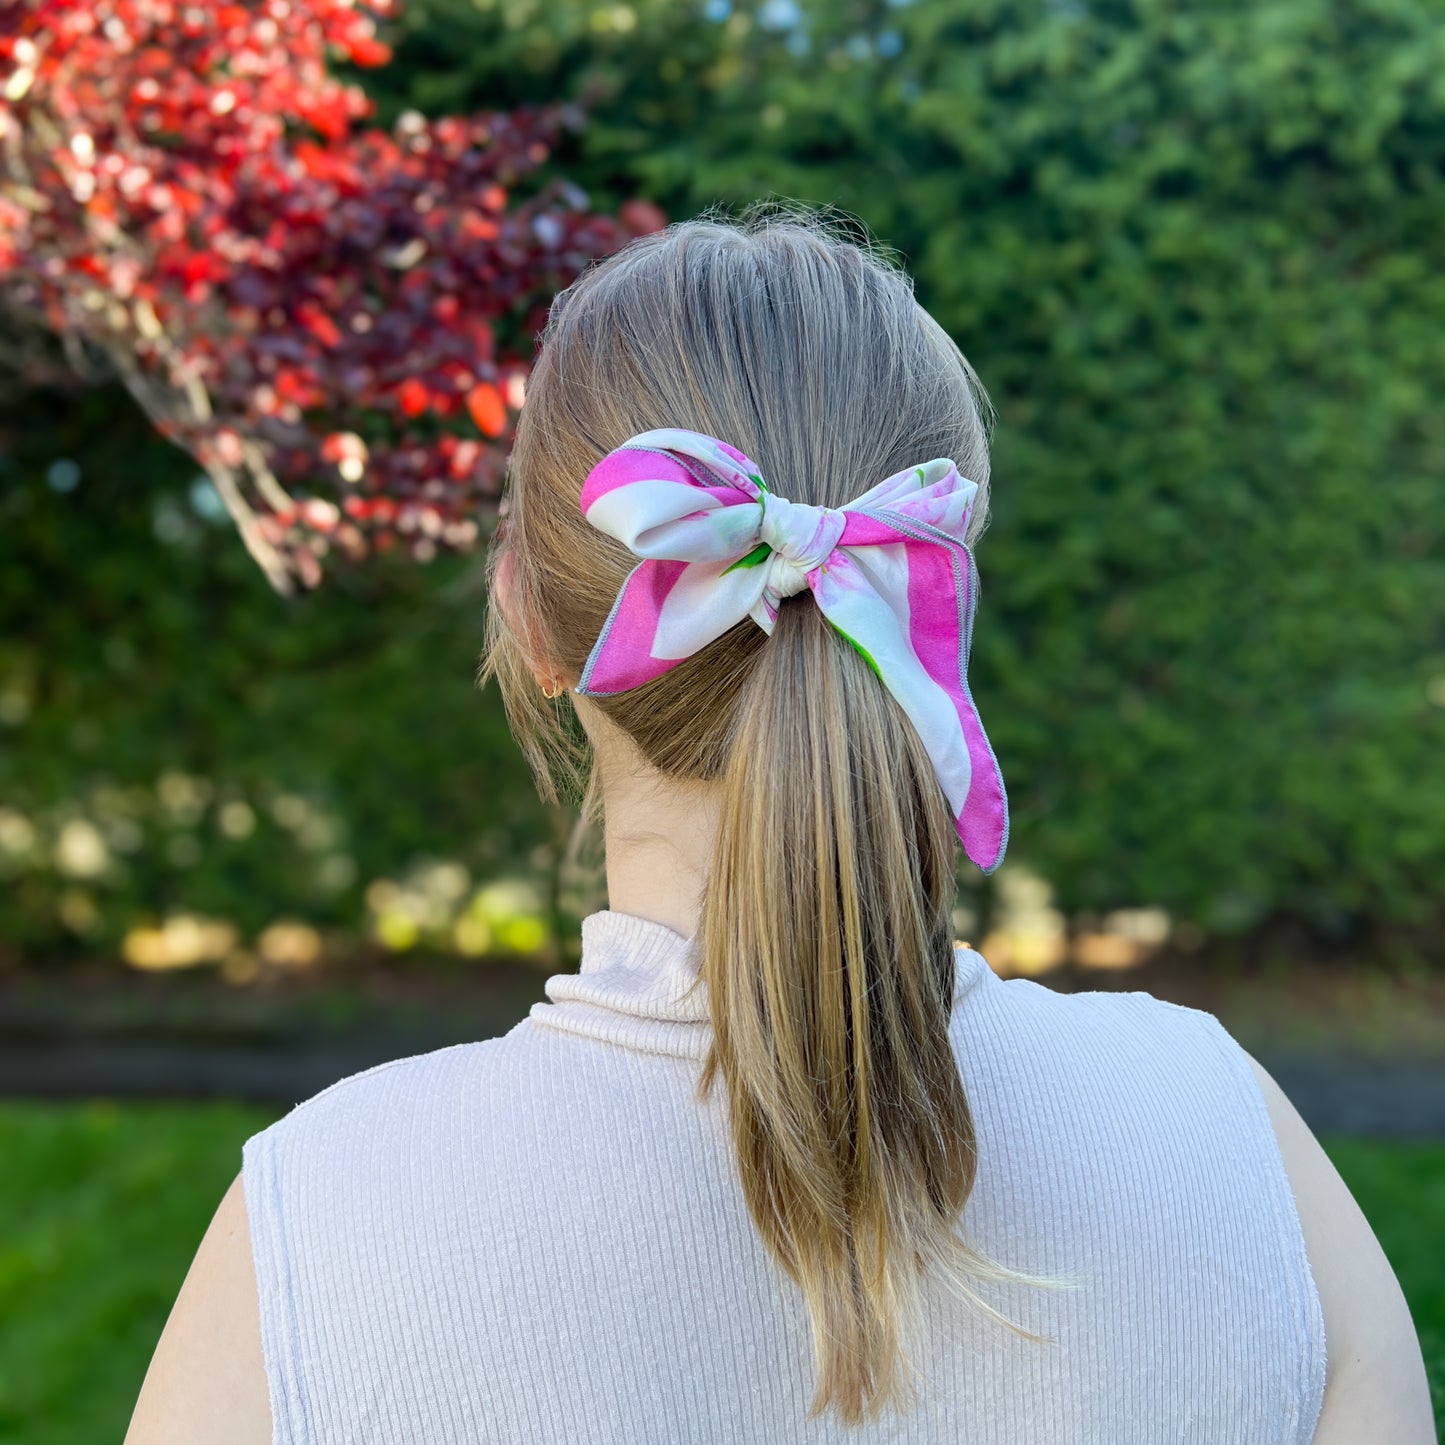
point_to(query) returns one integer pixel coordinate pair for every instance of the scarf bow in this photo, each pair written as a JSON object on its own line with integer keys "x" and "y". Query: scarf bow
{"x": 889, "y": 570}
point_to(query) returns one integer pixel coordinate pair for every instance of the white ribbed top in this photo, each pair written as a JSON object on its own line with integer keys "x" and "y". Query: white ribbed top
{"x": 541, "y": 1237}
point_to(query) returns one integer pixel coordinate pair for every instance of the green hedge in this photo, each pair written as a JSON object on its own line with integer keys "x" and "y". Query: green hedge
{"x": 222, "y": 751}
{"x": 1194, "y": 252}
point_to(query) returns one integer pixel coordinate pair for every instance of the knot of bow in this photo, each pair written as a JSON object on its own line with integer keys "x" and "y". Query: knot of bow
{"x": 889, "y": 570}
{"x": 802, "y": 538}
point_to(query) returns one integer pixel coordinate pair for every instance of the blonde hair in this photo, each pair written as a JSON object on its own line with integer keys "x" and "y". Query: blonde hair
{"x": 826, "y": 926}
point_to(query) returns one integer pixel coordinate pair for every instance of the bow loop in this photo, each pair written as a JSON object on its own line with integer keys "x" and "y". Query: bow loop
{"x": 889, "y": 570}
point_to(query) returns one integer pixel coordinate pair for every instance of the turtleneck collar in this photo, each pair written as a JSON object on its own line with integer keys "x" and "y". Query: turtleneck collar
{"x": 632, "y": 988}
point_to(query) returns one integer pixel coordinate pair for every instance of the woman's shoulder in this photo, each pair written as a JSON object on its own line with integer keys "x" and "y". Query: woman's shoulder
{"x": 1037, "y": 1004}
{"x": 1100, "y": 1055}
{"x": 298, "y": 1174}
{"x": 387, "y": 1110}
{"x": 1378, "y": 1386}
{"x": 207, "y": 1378}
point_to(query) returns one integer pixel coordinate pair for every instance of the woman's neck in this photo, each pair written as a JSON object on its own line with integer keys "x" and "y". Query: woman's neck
{"x": 658, "y": 835}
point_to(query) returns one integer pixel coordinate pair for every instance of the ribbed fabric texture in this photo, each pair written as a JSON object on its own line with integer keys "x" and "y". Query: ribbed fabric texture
{"x": 541, "y": 1237}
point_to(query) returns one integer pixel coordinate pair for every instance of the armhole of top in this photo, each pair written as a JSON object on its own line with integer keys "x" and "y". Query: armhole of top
{"x": 276, "y": 1290}
{"x": 1305, "y": 1299}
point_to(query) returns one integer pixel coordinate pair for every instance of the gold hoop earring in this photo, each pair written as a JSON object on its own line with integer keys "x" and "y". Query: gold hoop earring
{"x": 555, "y": 692}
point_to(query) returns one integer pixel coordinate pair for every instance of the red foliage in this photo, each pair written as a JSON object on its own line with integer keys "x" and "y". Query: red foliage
{"x": 293, "y": 297}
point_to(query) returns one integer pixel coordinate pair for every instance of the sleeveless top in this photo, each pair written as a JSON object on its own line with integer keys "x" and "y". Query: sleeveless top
{"x": 541, "y": 1237}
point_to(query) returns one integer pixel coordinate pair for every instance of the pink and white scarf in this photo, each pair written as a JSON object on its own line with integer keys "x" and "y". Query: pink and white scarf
{"x": 889, "y": 570}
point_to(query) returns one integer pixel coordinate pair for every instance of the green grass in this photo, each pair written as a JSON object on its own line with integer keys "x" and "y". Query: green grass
{"x": 102, "y": 1208}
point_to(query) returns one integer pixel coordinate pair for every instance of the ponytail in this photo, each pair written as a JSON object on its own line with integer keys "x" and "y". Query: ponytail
{"x": 827, "y": 955}
{"x": 826, "y": 926}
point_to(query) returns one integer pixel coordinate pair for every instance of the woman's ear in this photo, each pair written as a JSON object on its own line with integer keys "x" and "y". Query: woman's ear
{"x": 504, "y": 596}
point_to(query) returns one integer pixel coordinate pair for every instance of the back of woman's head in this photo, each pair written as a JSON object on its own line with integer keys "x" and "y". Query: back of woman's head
{"x": 826, "y": 928}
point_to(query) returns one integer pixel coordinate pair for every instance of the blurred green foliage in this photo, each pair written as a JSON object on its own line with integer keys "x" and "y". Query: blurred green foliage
{"x": 174, "y": 736}
{"x": 1194, "y": 252}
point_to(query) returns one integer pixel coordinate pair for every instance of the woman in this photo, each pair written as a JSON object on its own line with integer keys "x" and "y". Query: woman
{"x": 781, "y": 1162}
